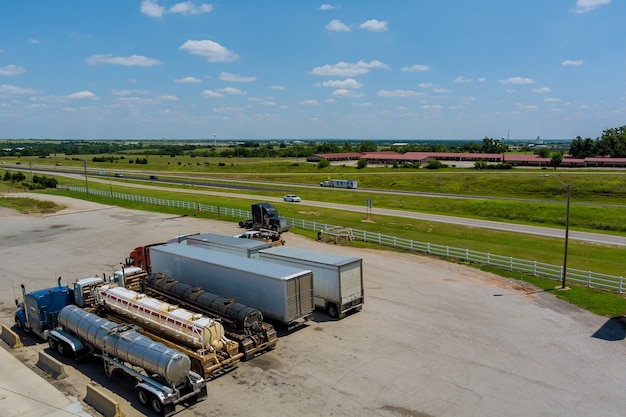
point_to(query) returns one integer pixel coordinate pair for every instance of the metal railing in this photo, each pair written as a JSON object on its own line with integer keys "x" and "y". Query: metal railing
{"x": 588, "y": 278}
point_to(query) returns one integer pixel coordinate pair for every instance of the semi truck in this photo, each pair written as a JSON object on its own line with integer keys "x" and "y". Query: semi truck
{"x": 265, "y": 216}
{"x": 46, "y": 313}
{"x": 164, "y": 376}
{"x": 281, "y": 293}
{"x": 339, "y": 184}
{"x": 201, "y": 338}
{"x": 337, "y": 279}
{"x": 242, "y": 323}
{"x": 38, "y": 310}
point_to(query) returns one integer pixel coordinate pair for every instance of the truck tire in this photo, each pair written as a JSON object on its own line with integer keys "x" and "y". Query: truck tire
{"x": 156, "y": 405}
{"x": 61, "y": 348}
{"x": 143, "y": 397}
{"x": 333, "y": 311}
{"x": 53, "y": 344}
{"x": 18, "y": 324}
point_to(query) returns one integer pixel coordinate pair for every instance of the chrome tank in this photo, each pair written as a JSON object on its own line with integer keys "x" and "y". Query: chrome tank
{"x": 190, "y": 328}
{"x": 124, "y": 343}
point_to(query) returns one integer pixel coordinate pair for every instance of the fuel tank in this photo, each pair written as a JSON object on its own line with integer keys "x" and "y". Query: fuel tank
{"x": 126, "y": 344}
{"x": 165, "y": 319}
{"x": 238, "y": 316}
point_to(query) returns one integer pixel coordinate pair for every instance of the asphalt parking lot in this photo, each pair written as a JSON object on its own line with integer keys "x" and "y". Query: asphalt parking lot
{"x": 433, "y": 339}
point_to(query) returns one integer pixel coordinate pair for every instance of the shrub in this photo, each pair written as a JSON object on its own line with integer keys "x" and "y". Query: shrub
{"x": 323, "y": 163}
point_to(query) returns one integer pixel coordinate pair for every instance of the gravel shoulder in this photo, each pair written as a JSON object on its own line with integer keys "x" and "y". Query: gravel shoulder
{"x": 433, "y": 339}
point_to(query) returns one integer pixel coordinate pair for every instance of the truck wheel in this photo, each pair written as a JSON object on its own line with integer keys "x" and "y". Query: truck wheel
{"x": 157, "y": 406}
{"x": 18, "y": 324}
{"x": 53, "y": 344}
{"x": 333, "y": 311}
{"x": 142, "y": 396}
{"x": 61, "y": 348}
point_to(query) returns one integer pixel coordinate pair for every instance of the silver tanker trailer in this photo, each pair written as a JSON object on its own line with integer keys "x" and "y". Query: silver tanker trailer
{"x": 166, "y": 380}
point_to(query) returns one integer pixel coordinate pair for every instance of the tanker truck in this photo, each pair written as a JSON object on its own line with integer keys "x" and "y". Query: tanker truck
{"x": 241, "y": 323}
{"x": 200, "y": 337}
{"x": 164, "y": 379}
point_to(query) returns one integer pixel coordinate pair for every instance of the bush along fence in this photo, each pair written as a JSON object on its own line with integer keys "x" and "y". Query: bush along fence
{"x": 587, "y": 278}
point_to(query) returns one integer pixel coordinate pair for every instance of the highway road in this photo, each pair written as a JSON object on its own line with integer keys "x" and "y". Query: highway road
{"x": 596, "y": 238}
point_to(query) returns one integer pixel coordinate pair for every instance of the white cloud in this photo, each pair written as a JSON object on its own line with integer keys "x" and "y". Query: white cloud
{"x": 227, "y": 76}
{"x": 213, "y": 51}
{"x": 168, "y": 97}
{"x": 461, "y": 79}
{"x": 345, "y": 69}
{"x": 222, "y": 92}
{"x": 232, "y": 91}
{"x": 337, "y": 25}
{"x": 11, "y": 89}
{"x": 151, "y": 8}
{"x": 426, "y": 85}
{"x": 228, "y": 110}
{"x": 399, "y": 93}
{"x": 416, "y": 68}
{"x": 211, "y": 94}
{"x": 432, "y": 107}
{"x": 265, "y": 101}
{"x": 11, "y": 70}
{"x": 309, "y": 103}
{"x": 527, "y": 107}
{"x": 344, "y": 92}
{"x": 552, "y": 100}
{"x": 278, "y": 87}
{"x": 572, "y": 62}
{"x": 325, "y": 7}
{"x": 584, "y": 6}
{"x": 541, "y": 90}
{"x": 374, "y": 25}
{"x": 517, "y": 80}
{"x": 34, "y": 41}
{"x": 83, "y": 95}
{"x": 440, "y": 90}
{"x": 481, "y": 80}
{"x": 128, "y": 61}
{"x": 127, "y": 92}
{"x": 347, "y": 83}
{"x": 188, "y": 7}
{"x": 188, "y": 80}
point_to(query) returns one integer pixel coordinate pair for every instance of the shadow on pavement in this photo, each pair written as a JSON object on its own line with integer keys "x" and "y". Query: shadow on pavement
{"x": 614, "y": 329}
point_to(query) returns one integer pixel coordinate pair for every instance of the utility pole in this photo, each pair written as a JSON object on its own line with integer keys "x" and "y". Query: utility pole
{"x": 86, "y": 183}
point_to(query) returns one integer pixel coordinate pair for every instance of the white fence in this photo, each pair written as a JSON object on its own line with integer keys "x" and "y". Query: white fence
{"x": 588, "y": 278}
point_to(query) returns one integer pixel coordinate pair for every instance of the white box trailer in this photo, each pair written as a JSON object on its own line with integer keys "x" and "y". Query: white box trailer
{"x": 280, "y": 292}
{"x": 337, "y": 279}
{"x": 244, "y": 247}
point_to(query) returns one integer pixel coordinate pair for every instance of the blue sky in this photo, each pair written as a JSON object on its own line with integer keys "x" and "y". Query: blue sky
{"x": 302, "y": 69}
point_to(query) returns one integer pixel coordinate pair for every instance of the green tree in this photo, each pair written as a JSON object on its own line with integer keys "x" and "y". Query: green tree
{"x": 362, "y": 163}
{"x": 367, "y": 146}
{"x": 491, "y": 145}
{"x": 542, "y": 152}
{"x": 556, "y": 160}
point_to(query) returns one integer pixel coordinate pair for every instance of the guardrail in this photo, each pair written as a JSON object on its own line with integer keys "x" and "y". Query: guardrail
{"x": 588, "y": 278}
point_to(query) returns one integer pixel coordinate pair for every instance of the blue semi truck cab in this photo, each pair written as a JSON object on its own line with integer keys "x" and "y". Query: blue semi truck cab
{"x": 38, "y": 311}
